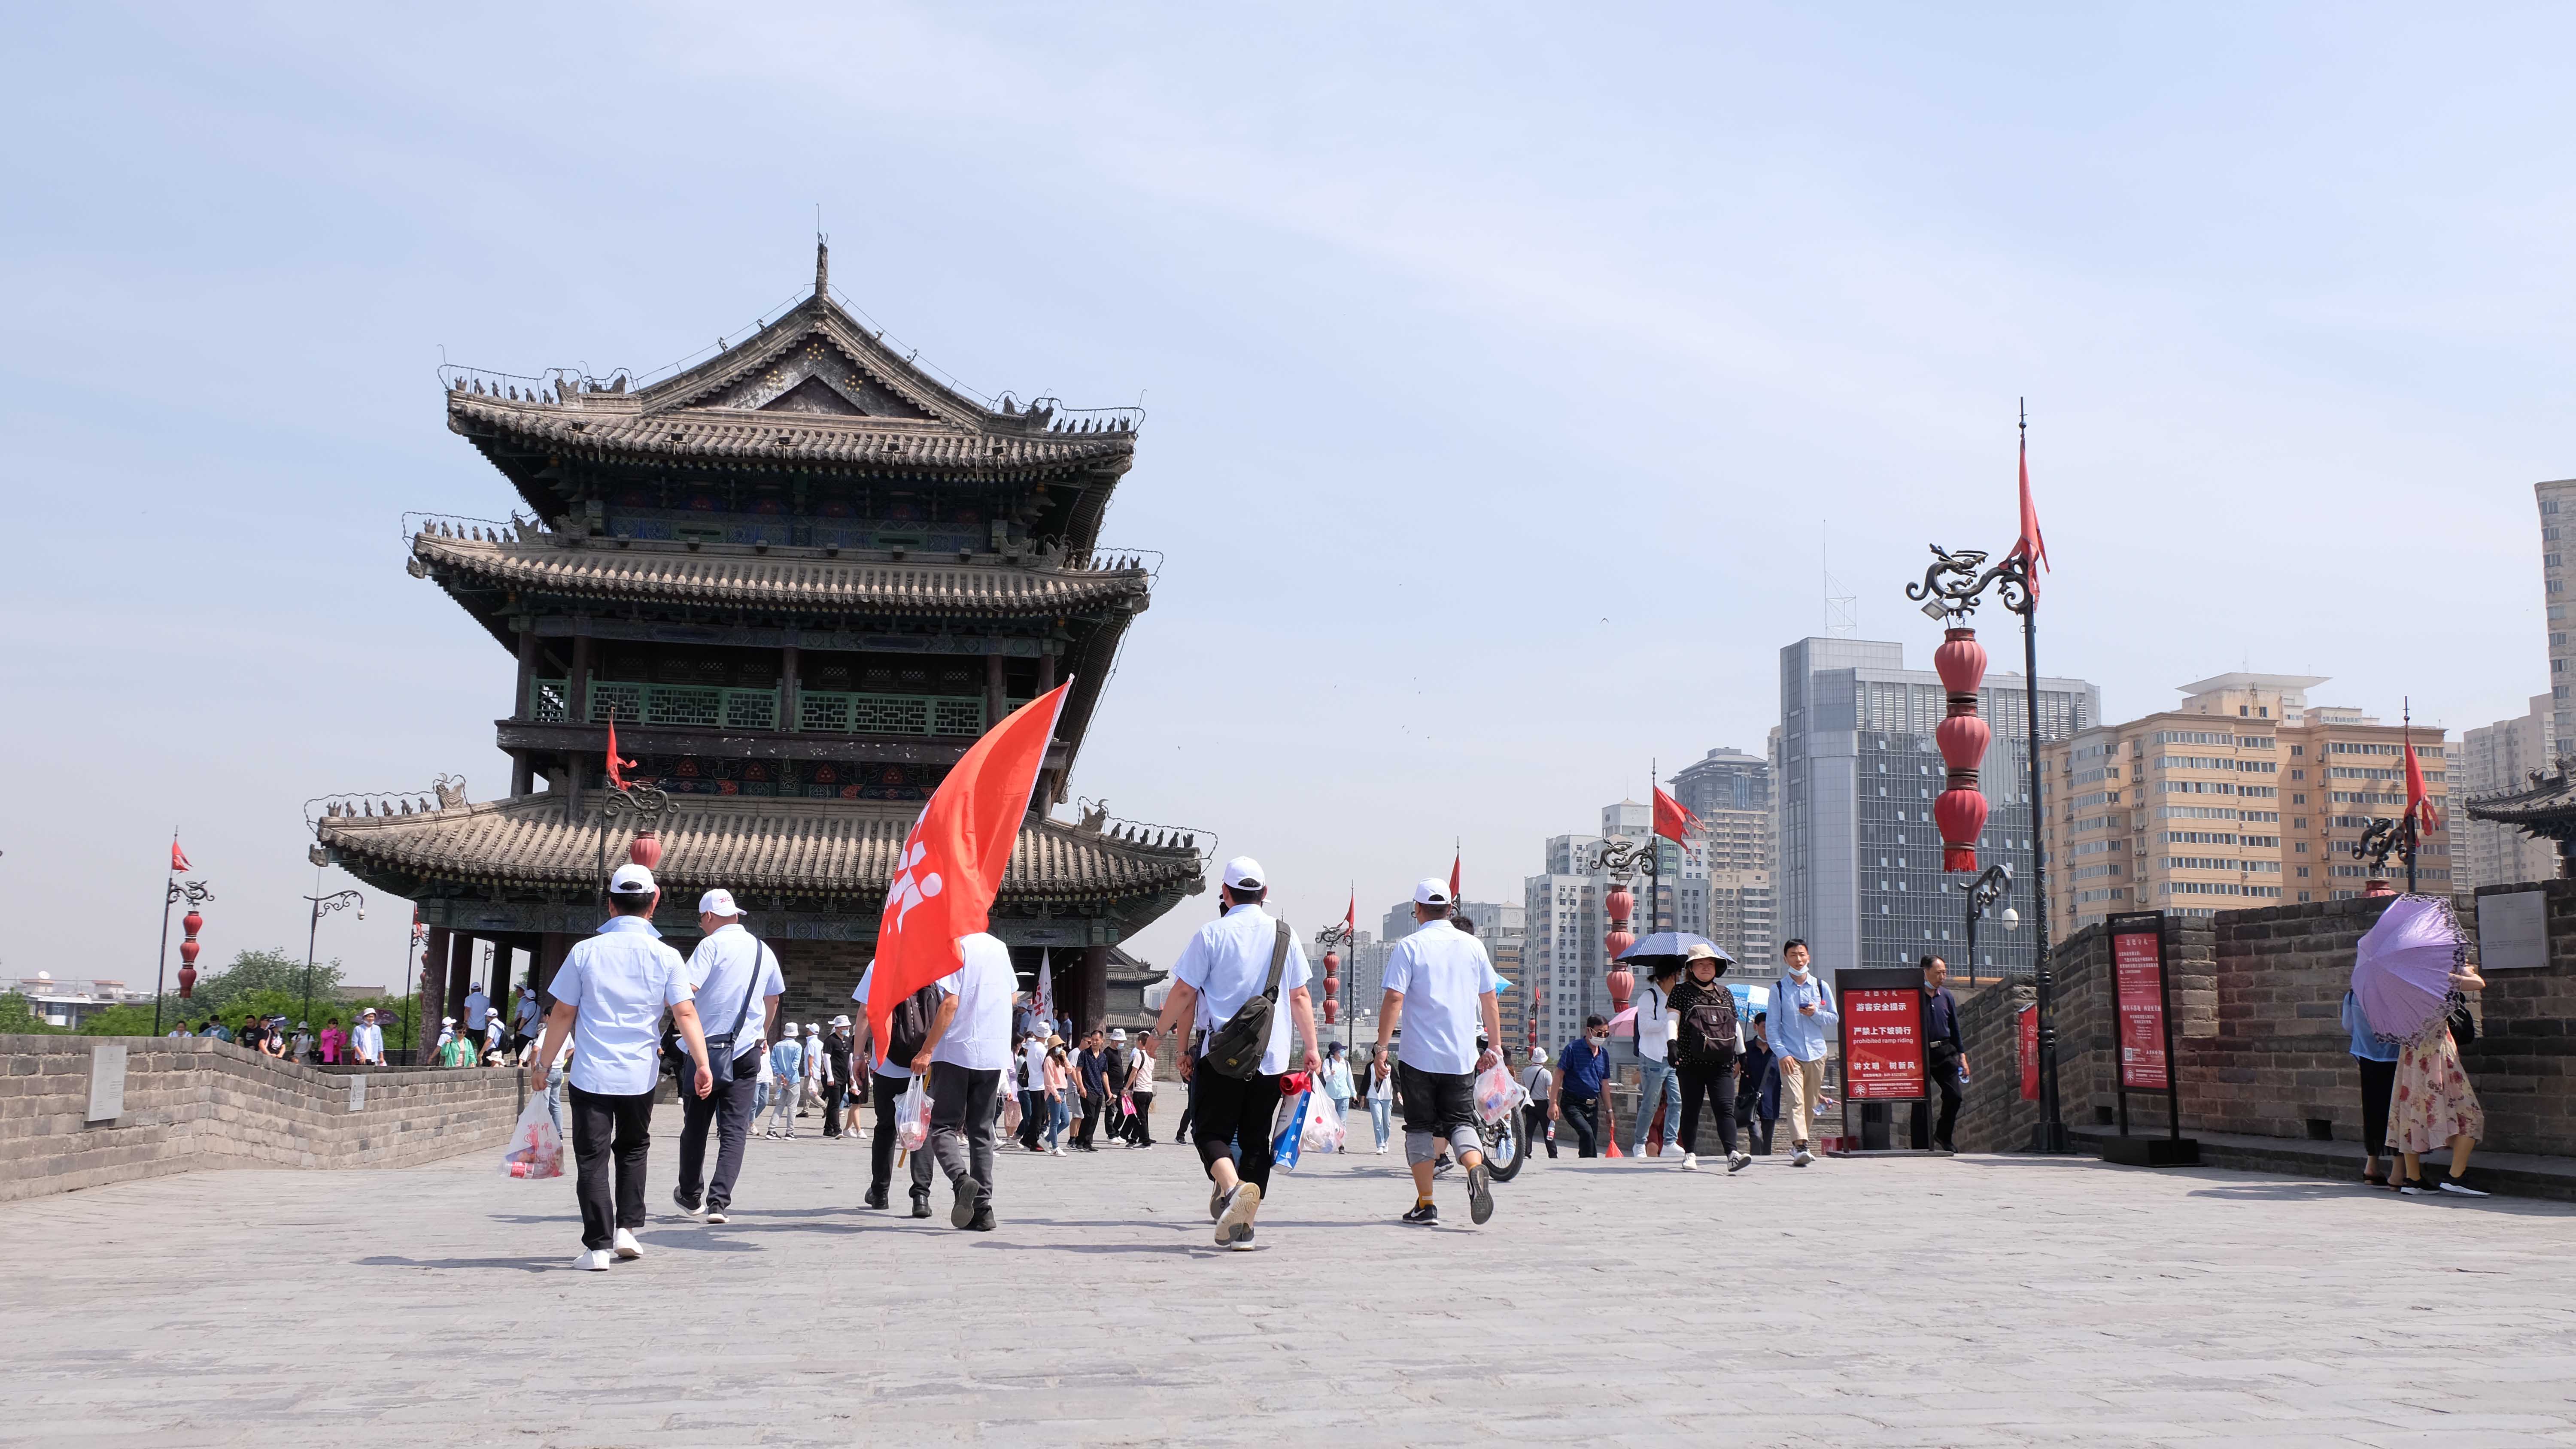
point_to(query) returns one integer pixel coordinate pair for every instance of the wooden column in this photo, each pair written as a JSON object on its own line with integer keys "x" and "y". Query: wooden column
{"x": 1046, "y": 666}
{"x": 519, "y": 708}
{"x": 787, "y": 686}
{"x": 433, "y": 992}
{"x": 996, "y": 699}
{"x": 577, "y": 708}
{"x": 1091, "y": 990}
{"x": 460, "y": 976}
{"x": 552, "y": 947}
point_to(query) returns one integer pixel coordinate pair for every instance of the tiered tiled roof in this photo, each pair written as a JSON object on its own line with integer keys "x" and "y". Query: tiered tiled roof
{"x": 828, "y": 849}
{"x": 605, "y": 426}
{"x": 737, "y": 575}
{"x": 2547, "y": 808}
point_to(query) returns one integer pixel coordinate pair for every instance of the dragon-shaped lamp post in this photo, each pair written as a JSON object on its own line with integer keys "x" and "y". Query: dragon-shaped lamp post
{"x": 1951, "y": 590}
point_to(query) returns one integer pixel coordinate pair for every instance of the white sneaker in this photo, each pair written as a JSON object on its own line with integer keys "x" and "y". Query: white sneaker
{"x": 627, "y": 1247}
{"x": 1690, "y": 1162}
{"x": 1381, "y": 1152}
{"x": 592, "y": 1261}
{"x": 1738, "y": 1161}
{"x": 1802, "y": 1159}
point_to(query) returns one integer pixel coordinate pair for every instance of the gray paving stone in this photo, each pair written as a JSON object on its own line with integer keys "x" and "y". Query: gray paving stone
{"x": 1894, "y": 1302}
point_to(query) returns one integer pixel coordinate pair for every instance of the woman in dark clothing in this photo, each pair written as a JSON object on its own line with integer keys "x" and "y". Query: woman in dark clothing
{"x": 1705, "y": 1053}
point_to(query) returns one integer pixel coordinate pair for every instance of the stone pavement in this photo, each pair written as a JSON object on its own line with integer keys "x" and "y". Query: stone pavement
{"x": 1986, "y": 1300}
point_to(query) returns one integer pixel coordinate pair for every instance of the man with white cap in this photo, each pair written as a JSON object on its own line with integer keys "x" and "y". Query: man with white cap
{"x": 610, "y": 994}
{"x": 737, "y": 976}
{"x": 1439, "y": 985}
{"x": 367, "y": 1043}
{"x": 836, "y": 1080}
{"x": 1245, "y": 953}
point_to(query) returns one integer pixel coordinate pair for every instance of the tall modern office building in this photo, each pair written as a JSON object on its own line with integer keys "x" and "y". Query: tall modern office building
{"x": 1859, "y": 857}
{"x": 2498, "y": 760}
{"x": 1730, "y": 792}
{"x": 2557, "y": 505}
{"x": 1563, "y": 965}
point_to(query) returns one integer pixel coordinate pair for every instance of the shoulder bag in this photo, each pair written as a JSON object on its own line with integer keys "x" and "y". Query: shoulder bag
{"x": 1236, "y": 1048}
{"x": 720, "y": 1045}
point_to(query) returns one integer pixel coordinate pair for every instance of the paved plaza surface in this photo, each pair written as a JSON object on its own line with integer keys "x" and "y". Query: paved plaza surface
{"x": 1981, "y": 1300}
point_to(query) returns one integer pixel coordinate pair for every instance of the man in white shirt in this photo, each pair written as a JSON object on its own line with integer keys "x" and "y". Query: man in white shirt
{"x": 1033, "y": 1106}
{"x": 891, "y": 1080}
{"x": 1439, "y": 985}
{"x": 1225, "y": 965}
{"x": 367, "y": 1043}
{"x": 736, "y": 975}
{"x": 970, "y": 1043}
{"x": 526, "y": 1020}
{"x": 1656, "y": 1083}
{"x": 610, "y": 994}
{"x": 478, "y": 1010}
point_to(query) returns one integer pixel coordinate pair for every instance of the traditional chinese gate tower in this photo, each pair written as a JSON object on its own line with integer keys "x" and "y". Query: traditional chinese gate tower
{"x": 801, "y": 576}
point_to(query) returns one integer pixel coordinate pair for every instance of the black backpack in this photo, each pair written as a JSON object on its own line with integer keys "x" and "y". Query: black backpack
{"x": 1236, "y": 1048}
{"x": 1709, "y": 1025}
{"x": 909, "y": 1032}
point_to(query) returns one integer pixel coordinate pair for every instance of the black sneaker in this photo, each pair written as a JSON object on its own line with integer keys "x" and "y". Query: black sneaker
{"x": 1242, "y": 1239}
{"x": 1480, "y": 1194}
{"x": 921, "y": 1204}
{"x": 982, "y": 1222}
{"x": 688, "y": 1205}
{"x": 962, "y": 1210}
{"x": 876, "y": 1198}
{"x": 1425, "y": 1213}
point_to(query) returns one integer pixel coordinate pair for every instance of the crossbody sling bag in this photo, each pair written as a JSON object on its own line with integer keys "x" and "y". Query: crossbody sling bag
{"x": 720, "y": 1046}
{"x": 1236, "y": 1048}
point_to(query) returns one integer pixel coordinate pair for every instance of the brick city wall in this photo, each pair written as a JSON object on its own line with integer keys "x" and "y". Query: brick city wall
{"x": 200, "y": 1103}
{"x": 2259, "y": 1044}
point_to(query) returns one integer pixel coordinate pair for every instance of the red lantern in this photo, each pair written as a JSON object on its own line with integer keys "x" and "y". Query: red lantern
{"x": 188, "y": 949}
{"x": 1618, "y": 903}
{"x": 1962, "y": 737}
{"x": 191, "y": 924}
{"x": 1332, "y": 1007}
{"x": 646, "y": 851}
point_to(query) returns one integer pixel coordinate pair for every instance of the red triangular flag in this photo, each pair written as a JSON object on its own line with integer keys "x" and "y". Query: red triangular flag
{"x": 1351, "y": 917}
{"x": 2030, "y": 547}
{"x": 178, "y": 857}
{"x": 2419, "y": 805}
{"x": 951, "y": 864}
{"x": 616, "y": 768}
{"x": 1673, "y": 820}
{"x": 1453, "y": 875}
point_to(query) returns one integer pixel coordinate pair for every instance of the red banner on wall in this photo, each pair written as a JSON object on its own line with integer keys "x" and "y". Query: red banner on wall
{"x": 1883, "y": 1045}
{"x": 2026, "y": 1043}
{"x": 2137, "y": 969}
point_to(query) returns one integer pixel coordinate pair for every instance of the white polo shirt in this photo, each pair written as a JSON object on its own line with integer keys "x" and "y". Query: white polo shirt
{"x": 1033, "y": 1064}
{"x": 618, "y": 983}
{"x": 1228, "y": 961}
{"x": 900, "y": 1071}
{"x": 979, "y": 1036}
{"x": 1442, "y": 973}
{"x": 721, "y": 970}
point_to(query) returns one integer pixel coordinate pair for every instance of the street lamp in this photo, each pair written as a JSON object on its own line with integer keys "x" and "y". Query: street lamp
{"x": 196, "y": 893}
{"x": 322, "y": 906}
{"x": 1337, "y": 1002}
{"x": 1952, "y": 588}
{"x": 1983, "y": 892}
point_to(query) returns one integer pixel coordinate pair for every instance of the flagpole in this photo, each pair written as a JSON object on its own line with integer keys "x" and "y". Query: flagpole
{"x": 2406, "y": 738}
{"x": 161, "y": 963}
{"x": 2050, "y": 1135}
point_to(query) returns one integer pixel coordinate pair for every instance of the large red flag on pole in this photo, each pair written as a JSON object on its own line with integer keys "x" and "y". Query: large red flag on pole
{"x": 2030, "y": 547}
{"x": 1673, "y": 819}
{"x": 1351, "y": 917}
{"x": 1454, "y": 862}
{"x": 616, "y": 768}
{"x": 951, "y": 864}
{"x": 178, "y": 857}
{"x": 2419, "y": 804}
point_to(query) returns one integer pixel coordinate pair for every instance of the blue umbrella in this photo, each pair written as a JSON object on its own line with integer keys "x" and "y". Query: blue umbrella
{"x": 1673, "y": 946}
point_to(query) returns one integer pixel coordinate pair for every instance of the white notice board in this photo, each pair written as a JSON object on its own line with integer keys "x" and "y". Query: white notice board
{"x": 2513, "y": 932}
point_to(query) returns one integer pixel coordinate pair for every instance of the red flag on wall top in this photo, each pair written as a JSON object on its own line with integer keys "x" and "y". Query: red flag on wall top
{"x": 2030, "y": 547}
{"x": 951, "y": 864}
{"x": 2419, "y": 805}
{"x": 1673, "y": 820}
{"x": 1351, "y": 916}
{"x": 178, "y": 857}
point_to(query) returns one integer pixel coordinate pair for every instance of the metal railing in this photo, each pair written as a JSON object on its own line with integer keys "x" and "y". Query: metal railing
{"x": 818, "y": 711}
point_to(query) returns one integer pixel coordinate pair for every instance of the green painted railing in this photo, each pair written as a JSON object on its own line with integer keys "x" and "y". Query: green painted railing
{"x": 817, "y": 712}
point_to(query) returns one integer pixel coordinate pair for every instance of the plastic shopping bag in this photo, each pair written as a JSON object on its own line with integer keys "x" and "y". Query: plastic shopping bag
{"x": 1287, "y": 1129}
{"x": 536, "y": 1147}
{"x": 1493, "y": 1092}
{"x": 912, "y": 1118}
{"x": 1323, "y": 1124}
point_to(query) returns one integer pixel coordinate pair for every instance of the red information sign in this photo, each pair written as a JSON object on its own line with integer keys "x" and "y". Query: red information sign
{"x": 1883, "y": 1044}
{"x": 2029, "y": 1045}
{"x": 2137, "y": 966}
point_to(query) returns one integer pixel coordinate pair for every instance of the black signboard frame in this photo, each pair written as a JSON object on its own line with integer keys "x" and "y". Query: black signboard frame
{"x": 2173, "y": 1149}
{"x": 1876, "y": 1134}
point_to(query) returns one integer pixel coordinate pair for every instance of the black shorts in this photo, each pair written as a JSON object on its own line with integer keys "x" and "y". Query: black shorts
{"x": 1435, "y": 1102}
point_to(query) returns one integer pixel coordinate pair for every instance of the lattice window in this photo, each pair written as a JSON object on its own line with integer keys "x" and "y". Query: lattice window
{"x": 885, "y": 714}
{"x": 823, "y": 713}
{"x": 622, "y": 701}
{"x": 666, "y": 704}
{"x": 751, "y": 709}
{"x": 549, "y": 700}
{"x": 957, "y": 717}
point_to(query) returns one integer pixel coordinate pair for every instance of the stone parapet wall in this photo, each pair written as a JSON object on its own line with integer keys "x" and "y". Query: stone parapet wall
{"x": 2259, "y": 1044}
{"x": 193, "y": 1103}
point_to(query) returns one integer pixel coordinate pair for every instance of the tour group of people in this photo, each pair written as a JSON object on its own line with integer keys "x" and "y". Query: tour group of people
{"x": 360, "y": 1045}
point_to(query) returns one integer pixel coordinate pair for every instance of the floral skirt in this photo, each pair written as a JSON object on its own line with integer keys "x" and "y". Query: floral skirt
{"x": 2432, "y": 1101}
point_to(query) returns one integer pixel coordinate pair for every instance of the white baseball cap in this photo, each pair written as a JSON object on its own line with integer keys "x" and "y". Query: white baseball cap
{"x": 1431, "y": 893}
{"x": 632, "y": 880}
{"x": 718, "y": 902}
{"x": 1245, "y": 873}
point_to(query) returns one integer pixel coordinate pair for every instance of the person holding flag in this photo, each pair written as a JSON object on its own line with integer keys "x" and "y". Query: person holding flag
{"x": 938, "y": 903}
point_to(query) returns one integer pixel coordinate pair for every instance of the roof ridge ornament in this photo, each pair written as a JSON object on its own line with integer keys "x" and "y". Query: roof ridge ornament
{"x": 822, "y": 268}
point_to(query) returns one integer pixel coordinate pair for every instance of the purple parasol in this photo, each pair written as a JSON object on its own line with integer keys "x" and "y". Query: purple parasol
{"x": 2402, "y": 973}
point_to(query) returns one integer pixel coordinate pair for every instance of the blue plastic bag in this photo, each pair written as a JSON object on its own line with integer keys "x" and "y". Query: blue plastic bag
{"x": 1287, "y": 1130}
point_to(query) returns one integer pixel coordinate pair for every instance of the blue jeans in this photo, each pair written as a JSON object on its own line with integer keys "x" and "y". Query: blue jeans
{"x": 1656, "y": 1083}
{"x": 1379, "y": 1109}
{"x": 1059, "y": 1116}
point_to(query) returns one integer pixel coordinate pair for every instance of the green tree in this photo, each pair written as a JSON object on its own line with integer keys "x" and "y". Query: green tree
{"x": 17, "y": 1020}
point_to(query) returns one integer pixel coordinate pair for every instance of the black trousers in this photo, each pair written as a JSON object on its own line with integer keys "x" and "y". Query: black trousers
{"x": 1583, "y": 1114}
{"x": 833, "y": 1092}
{"x": 1534, "y": 1130}
{"x": 1716, "y": 1086}
{"x": 1947, "y": 1084}
{"x": 1033, "y": 1118}
{"x": 1233, "y": 1121}
{"x": 728, "y": 1110}
{"x": 2378, "y": 1079}
{"x": 1090, "y": 1121}
{"x": 1140, "y": 1123}
{"x": 1749, "y": 1120}
{"x": 887, "y": 1091}
{"x": 610, "y": 1135}
{"x": 963, "y": 1115}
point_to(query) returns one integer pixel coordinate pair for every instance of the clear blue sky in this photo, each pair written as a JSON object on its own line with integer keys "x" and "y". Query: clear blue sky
{"x": 1506, "y": 377}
